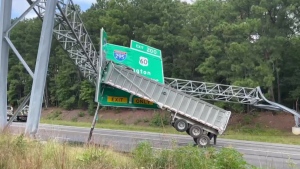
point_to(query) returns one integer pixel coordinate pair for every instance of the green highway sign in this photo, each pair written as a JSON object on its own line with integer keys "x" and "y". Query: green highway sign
{"x": 145, "y": 48}
{"x": 118, "y": 98}
{"x": 142, "y": 63}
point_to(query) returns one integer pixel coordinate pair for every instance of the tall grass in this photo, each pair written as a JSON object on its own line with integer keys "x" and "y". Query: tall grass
{"x": 17, "y": 152}
{"x": 21, "y": 153}
{"x": 188, "y": 157}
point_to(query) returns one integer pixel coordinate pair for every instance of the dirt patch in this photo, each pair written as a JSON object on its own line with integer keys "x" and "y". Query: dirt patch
{"x": 280, "y": 121}
{"x": 126, "y": 116}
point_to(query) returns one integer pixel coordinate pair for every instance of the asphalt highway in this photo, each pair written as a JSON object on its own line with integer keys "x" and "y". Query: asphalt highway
{"x": 260, "y": 154}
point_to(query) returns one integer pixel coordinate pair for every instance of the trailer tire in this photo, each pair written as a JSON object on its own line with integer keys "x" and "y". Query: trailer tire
{"x": 181, "y": 125}
{"x": 203, "y": 141}
{"x": 195, "y": 131}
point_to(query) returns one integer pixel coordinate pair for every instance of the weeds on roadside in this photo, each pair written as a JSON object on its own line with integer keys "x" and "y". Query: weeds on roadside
{"x": 159, "y": 120}
{"x": 20, "y": 152}
{"x": 188, "y": 157}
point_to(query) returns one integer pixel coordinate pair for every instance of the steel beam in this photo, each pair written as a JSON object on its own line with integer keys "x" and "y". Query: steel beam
{"x": 214, "y": 91}
{"x": 5, "y": 22}
{"x": 73, "y": 37}
{"x": 41, "y": 69}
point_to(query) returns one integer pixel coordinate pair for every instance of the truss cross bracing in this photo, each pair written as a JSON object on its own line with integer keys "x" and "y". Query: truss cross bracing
{"x": 70, "y": 31}
{"x": 213, "y": 91}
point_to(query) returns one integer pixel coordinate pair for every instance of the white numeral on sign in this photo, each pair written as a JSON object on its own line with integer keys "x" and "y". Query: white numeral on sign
{"x": 153, "y": 51}
{"x": 143, "y": 61}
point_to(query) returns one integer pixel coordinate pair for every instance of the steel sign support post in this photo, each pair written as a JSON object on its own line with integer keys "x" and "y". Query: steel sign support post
{"x": 5, "y": 22}
{"x": 41, "y": 68}
{"x": 93, "y": 124}
{"x": 100, "y": 59}
{"x": 101, "y": 62}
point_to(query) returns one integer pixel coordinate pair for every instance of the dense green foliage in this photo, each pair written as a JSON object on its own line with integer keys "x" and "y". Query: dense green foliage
{"x": 209, "y": 40}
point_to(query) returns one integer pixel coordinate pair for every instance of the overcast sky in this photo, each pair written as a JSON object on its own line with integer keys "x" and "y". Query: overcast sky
{"x": 19, "y": 6}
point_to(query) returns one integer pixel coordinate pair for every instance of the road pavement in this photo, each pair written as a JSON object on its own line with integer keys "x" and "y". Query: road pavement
{"x": 256, "y": 153}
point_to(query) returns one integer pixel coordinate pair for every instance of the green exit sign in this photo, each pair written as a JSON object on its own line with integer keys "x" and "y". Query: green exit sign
{"x": 145, "y": 48}
{"x": 142, "y": 63}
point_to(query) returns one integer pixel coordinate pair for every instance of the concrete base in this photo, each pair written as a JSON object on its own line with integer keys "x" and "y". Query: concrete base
{"x": 296, "y": 130}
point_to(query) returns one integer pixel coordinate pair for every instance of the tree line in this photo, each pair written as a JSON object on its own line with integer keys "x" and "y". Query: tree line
{"x": 238, "y": 42}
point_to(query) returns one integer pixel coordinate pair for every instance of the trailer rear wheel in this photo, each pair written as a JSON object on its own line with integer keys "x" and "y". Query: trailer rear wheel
{"x": 181, "y": 125}
{"x": 203, "y": 140}
{"x": 195, "y": 131}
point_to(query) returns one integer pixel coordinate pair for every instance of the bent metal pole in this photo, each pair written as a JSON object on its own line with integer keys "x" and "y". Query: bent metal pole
{"x": 41, "y": 68}
{"x": 5, "y": 22}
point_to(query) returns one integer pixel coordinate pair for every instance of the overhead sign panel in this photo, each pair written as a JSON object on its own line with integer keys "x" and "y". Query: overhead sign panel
{"x": 142, "y": 63}
{"x": 143, "y": 59}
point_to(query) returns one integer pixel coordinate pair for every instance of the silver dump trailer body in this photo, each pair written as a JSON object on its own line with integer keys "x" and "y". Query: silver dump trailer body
{"x": 198, "y": 118}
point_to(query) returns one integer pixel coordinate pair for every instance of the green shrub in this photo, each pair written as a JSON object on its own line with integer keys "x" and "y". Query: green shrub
{"x": 81, "y": 114}
{"x": 137, "y": 121}
{"x": 188, "y": 157}
{"x": 74, "y": 119}
{"x": 230, "y": 158}
{"x": 143, "y": 155}
{"x": 91, "y": 108}
{"x": 56, "y": 115}
{"x": 146, "y": 120}
{"x": 92, "y": 154}
{"x": 120, "y": 122}
{"x": 159, "y": 120}
{"x": 248, "y": 119}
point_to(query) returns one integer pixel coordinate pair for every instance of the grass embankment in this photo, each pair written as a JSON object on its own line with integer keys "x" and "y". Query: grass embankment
{"x": 256, "y": 133}
{"x": 111, "y": 124}
{"x": 19, "y": 152}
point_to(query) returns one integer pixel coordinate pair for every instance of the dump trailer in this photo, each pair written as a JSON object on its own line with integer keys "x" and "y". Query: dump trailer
{"x": 201, "y": 120}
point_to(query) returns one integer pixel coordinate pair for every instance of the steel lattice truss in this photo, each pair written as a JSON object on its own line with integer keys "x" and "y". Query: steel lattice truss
{"x": 73, "y": 36}
{"x": 212, "y": 91}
